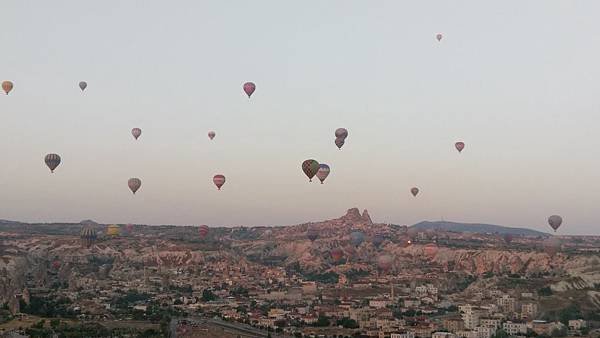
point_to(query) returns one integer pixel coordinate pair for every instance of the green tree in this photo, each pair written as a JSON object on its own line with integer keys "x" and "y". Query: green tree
{"x": 208, "y": 295}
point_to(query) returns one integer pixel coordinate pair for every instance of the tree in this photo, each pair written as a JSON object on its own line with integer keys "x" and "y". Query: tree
{"x": 208, "y": 295}
{"x": 322, "y": 321}
{"x": 500, "y": 334}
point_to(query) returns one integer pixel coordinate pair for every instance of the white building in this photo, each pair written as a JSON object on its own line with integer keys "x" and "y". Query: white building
{"x": 470, "y": 315}
{"x": 577, "y": 324}
{"x": 443, "y": 335}
{"x": 514, "y": 329}
{"x": 529, "y": 310}
{"x": 485, "y": 331}
{"x": 407, "y": 334}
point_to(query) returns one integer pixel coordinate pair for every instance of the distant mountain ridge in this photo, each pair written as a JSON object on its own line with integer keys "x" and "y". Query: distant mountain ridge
{"x": 476, "y": 228}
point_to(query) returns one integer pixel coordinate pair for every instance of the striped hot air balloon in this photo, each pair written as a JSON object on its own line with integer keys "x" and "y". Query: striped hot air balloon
{"x": 219, "y": 180}
{"x": 52, "y": 161}
{"x": 203, "y": 231}
{"x": 88, "y": 236}
{"x": 323, "y": 172}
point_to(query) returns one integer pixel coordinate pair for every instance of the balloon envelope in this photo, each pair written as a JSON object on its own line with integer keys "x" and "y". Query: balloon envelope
{"x": 339, "y": 142}
{"x": 219, "y": 180}
{"x": 384, "y": 262}
{"x": 356, "y": 238}
{"x": 249, "y": 88}
{"x": 414, "y": 191}
{"x": 430, "y": 250}
{"x": 7, "y": 86}
{"x": 312, "y": 234}
{"x": 134, "y": 184}
{"x": 555, "y": 221}
{"x": 211, "y": 134}
{"x": 88, "y": 236}
{"x": 341, "y": 133}
{"x": 203, "y": 231}
{"x": 336, "y": 254}
{"x": 508, "y": 238}
{"x": 459, "y": 146}
{"x": 323, "y": 172}
{"x": 136, "y": 132}
{"x": 52, "y": 161}
{"x": 439, "y": 37}
{"x": 82, "y": 85}
{"x": 310, "y": 168}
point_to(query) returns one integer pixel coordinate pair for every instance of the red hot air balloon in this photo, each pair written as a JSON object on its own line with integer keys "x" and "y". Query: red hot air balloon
{"x": 249, "y": 88}
{"x": 439, "y": 37}
{"x": 459, "y": 146}
{"x": 211, "y": 134}
{"x": 136, "y": 132}
{"x": 134, "y": 184}
{"x": 219, "y": 180}
{"x": 203, "y": 231}
{"x": 414, "y": 191}
{"x": 430, "y": 250}
{"x": 336, "y": 254}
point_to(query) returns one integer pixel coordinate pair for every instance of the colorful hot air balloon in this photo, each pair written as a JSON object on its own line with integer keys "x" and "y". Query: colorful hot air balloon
{"x": 7, "y": 86}
{"x": 552, "y": 246}
{"x": 336, "y": 254}
{"x": 136, "y": 132}
{"x": 439, "y": 37}
{"x": 82, "y": 85}
{"x": 134, "y": 184}
{"x": 52, "y": 161}
{"x": 384, "y": 262}
{"x": 356, "y": 238}
{"x": 249, "y": 88}
{"x": 555, "y": 221}
{"x": 219, "y": 180}
{"x": 312, "y": 234}
{"x": 339, "y": 142}
{"x": 459, "y": 146}
{"x": 310, "y": 168}
{"x": 507, "y": 238}
{"x": 430, "y": 250}
{"x": 113, "y": 230}
{"x": 341, "y": 133}
{"x": 414, "y": 191}
{"x": 203, "y": 231}
{"x": 211, "y": 134}
{"x": 323, "y": 172}
{"x": 88, "y": 236}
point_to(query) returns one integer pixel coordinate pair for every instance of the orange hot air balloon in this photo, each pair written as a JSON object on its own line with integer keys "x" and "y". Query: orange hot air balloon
{"x": 203, "y": 231}
{"x": 336, "y": 254}
{"x": 459, "y": 146}
{"x": 219, "y": 180}
{"x": 430, "y": 250}
{"x": 7, "y": 86}
{"x": 414, "y": 191}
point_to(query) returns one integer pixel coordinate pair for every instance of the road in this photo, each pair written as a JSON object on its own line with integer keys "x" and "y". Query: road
{"x": 238, "y": 327}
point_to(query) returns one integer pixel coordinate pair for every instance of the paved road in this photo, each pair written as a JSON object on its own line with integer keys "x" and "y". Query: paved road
{"x": 239, "y": 327}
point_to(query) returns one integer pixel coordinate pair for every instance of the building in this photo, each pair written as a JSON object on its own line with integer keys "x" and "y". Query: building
{"x": 453, "y": 324}
{"x": 529, "y": 310}
{"x": 443, "y": 335}
{"x": 514, "y": 329}
{"x": 485, "y": 331}
{"x": 407, "y": 334}
{"x": 490, "y": 322}
{"x": 506, "y": 303}
{"x": 577, "y": 324}
{"x": 470, "y": 316}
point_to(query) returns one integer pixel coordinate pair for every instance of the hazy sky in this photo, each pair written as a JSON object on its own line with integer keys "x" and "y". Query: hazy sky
{"x": 517, "y": 81}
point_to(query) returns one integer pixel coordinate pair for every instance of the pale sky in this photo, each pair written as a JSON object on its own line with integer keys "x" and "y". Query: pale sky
{"x": 517, "y": 81}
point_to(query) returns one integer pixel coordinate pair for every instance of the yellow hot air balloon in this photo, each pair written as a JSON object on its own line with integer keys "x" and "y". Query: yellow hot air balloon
{"x": 113, "y": 230}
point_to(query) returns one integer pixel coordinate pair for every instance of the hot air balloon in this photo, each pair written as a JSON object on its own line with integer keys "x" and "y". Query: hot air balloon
{"x": 430, "y": 250}
{"x": 129, "y": 228}
{"x": 378, "y": 239}
{"x": 312, "y": 234}
{"x": 384, "y": 262}
{"x": 439, "y": 37}
{"x": 555, "y": 221}
{"x": 323, "y": 172}
{"x": 459, "y": 146}
{"x": 552, "y": 246}
{"x": 113, "y": 230}
{"x": 52, "y": 161}
{"x": 310, "y": 168}
{"x": 88, "y": 236}
{"x": 219, "y": 180}
{"x": 507, "y": 238}
{"x": 82, "y": 85}
{"x": 336, "y": 254}
{"x": 249, "y": 88}
{"x": 211, "y": 134}
{"x": 356, "y": 238}
{"x": 136, "y": 132}
{"x": 414, "y": 191}
{"x": 7, "y": 86}
{"x": 203, "y": 231}
{"x": 56, "y": 264}
{"x": 339, "y": 142}
{"x": 134, "y": 184}
{"x": 341, "y": 133}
